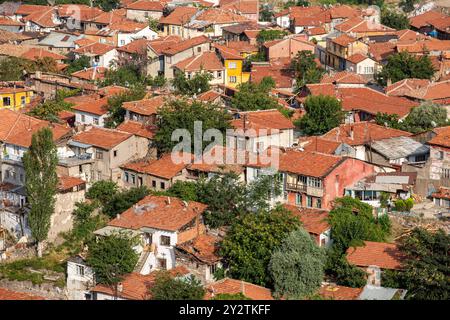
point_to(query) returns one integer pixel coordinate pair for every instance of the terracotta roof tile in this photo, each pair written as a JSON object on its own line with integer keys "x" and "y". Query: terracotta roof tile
{"x": 344, "y": 77}
{"x": 425, "y": 19}
{"x": 90, "y": 73}
{"x": 102, "y": 138}
{"x": 145, "y": 107}
{"x": 185, "y": 44}
{"x": 232, "y": 286}
{"x": 137, "y": 129}
{"x": 262, "y": 119}
{"x": 4, "y": 21}
{"x": 160, "y": 214}
{"x": 204, "y": 248}
{"x": 362, "y": 133}
{"x": 383, "y": 255}
{"x": 336, "y": 292}
{"x": 219, "y": 16}
{"x": 344, "y": 40}
{"x": 43, "y": 18}
{"x": 314, "y": 221}
{"x": 360, "y": 25}
{"x": 39, "y": 53}
{"x": 443, "y": 193}
{"x": 245, "y": 7}
{"x": 181, "y": 15}
{"x": 94, "y": 106}
{"x": 164, "y": 167}
{"x": 26, "y": 9}
{"x": 147, "y": 5}
{"x": 67, "y": 182}
{"x": 138, "y": 46}
{"x": 343, "y": 11}
{"x": 96, "y": 48}
{"x": 442, "y": 138}
{"x": 318, "y": 144}
{"x": 207, "y": 60}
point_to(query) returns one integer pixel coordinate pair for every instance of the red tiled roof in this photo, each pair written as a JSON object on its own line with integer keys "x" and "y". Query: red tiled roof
{"x": 185, "y": 44}
{"x": 145, "y": 107}
{"x": 306, "y": 163}
{"x": 111, "y": 90}
{"x": 228, "y": 53}
{"x": 163, "y": 43}
{"x": 282, "y": 76}
{"x": 208, "y": 61}
{"x": 232, "y": 286}
{"x": 357, "y": 58}
{"x": 210, "y": 95}
{"x": 126, "y": 26}
{"x": 204, "y": 248}
{"x": 79, "y": 11}
{"x": 343, "y": 11}
{"x": 96, "y": 48}
{"x": 318, "y": 144}
{"x": 442, "y": 138}
{"x": 344, "y": 40}
{"x": 344, "y": 77}
{"x": 136, "y": 286}
{"x": 138, "y": 46}
{"x": 381, "y": 254}
{"x": 147, "y": 5}
{"x": 326, "y": 89}
{"x": 164, "y": 167}
{"x": 84, "y": 42}
{"x": 89, "y": 73}
{"x": 110, "y": 17}
{"x": 4, "y": 21}
{"x": 137, "y": 129}
{"x": 358, "y": 24}
{"x": 316, "y": 31}
{"x": 245, "y": 7}
{"x": 425, "y": 19}
{"x": 336, "y": 292}
{"x": 43, "y": 18}
{"x": 26, "y": 9}
{"x": 408, "y": 34}
{"x": 381, "y": 50}
{"x": 68, "y": 183}
{"x": 39, "y": 53}
{"x": 362, "y": 133}
{"x": 372, "y": 101}
{"x": 314, "y": 221}
{"x": 6, "y": 294}
{"x": 161, "y": 214}
{"x": 102, "y": 138}
{"x": 219, "y": 16}
{"x": 443, "y": 193}
{"x": 262, "y": 119}
{"x": 180, "y": 15}
{"x": 94, "y": 106}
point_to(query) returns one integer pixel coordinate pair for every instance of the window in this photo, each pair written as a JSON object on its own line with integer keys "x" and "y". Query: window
{"x": 314, "y": 182}
{"x": 260, "y": 146}
{"x": 162, "y": 264}
{"x": 231, "y": 65}
{"x": 6, "y": 101}
{"x": 80, "y": 270}
{"x": 21, "y": 178}
{"x": 173, "y": 30}
{"x": 308, "y": 201}
{"x": 421, "y": 158}
{"x": 133, "y": 179}
{"x": 99, "y": 175}
{"x": 440, "y": 155}
{"x": 189, "y": 75}
{"x": 126, "y": 176}
{"x": 233, "y": 79}
{"x": 302, "y": 180}
{"x": 199, "y": 49}
{"x": 219, "y": 74}
{"x": 97, "y": 59}
{"x": 23, "y": 100}
{"x": 162, "y": 185}
{"x": 146, "y": 14}
{"x": 169, "y": 59}
{"x": 83, "y": 118}
{"x": 96, "y": 122}
{"x": 99, "y": 155}
{"x": 164, "y": 240}
{"x": 319, "y": 203}
{"x": 115, "y": 153}
{"x": 153, "y": 183}
{"x": 241, "y": 144}
{"x": 298, "y": 199}
{"x": 122, "y": 42}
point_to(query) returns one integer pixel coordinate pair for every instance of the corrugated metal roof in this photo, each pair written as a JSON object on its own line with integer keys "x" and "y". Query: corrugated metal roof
{"x": 399, "y": 147}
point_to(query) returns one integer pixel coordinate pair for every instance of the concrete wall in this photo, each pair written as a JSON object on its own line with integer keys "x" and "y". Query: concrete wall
{"x": 142, "y": 16}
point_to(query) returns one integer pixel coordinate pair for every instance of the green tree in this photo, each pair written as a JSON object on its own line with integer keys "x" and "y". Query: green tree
{"x": 342, "y": 272}
{"x": 14, "y": 68}
{"x": 112, "y": 257}
{"x": 297, "y": 267}
{"x": 306, "y": 69}
{"x": 115, "y": 102}
{"x": 254, "y": 96}
{"x": 50, "y": 109}
{"x": 323, "y": 113}
{"x": 388, "y": 120}
{"x": 166, "y": 287}
{"x": 107, "y": 5}
{"x": 123, "y": 200}
{"x": 78, "y": 64}
{"x": 269, "y": 35}
{"x": 153, "y": 24}
{"x": 186, "y": 190}
{"x": 251, "y": 240}
{"x": 425, "y": 117}
{"x": 408, "y": 5}
{"x": 265, "y": 14}
{"x": 102, "y": 191}
{"x": 404, "y": 65}
{"x": 127, "y": 75}
{"x": 41, "y": 181}
{"x": 197, "y": 84}
{"x": 426, "y": 269}
{"x": 181, "y": 114}
{"x": 393, "y": 19}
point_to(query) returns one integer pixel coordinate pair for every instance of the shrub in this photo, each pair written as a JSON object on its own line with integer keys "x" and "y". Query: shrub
{"x": 400, "y": 205}
{"x": 409, "y": 203}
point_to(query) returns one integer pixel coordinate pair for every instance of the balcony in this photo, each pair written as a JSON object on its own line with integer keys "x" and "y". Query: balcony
{"x": 311, "y": 191}
{"x": 76, "y": 160}
{"x": 296, "y": 187}
{"x": 11, "y": 157}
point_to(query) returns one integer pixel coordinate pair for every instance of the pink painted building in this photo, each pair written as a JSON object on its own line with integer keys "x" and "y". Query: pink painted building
{"x": 287, "y": 48}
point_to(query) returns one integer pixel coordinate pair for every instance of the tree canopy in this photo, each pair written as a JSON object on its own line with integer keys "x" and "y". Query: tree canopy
{"x": 123, "y": 200}
{"x": 306, "y": 69}
{"x": 102, "y": 191}
{"x": 323, "y": 113}
{"x": 167, "y": 287}
{"x": 116, "y": 111}
{"x": 50, "y": 109}
{"x": 41, "y": 181}
{"x": 297, "y": 267}
{"x": 112, "y": 257}
{"x": 394, "y": 19}
{"x": 255, "y": 96}
{"x": 404, "y": 65}
{"x": 181, "y": 114}
{"x": 78, "y": 64}
{"x": 107, "y": 5}
{"x": 268, "y": 35}
{"x": 197, "y": 84}
{"x": 251, "y": 240}
{"x": 14, "y": 68}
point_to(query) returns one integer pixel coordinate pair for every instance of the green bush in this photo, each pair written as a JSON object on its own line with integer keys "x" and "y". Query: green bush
{"x": 409, "y": 203}
{"x": 400, "y": 205}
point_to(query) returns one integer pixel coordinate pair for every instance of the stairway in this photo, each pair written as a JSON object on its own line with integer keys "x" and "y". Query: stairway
{"x": 141, "y": 261}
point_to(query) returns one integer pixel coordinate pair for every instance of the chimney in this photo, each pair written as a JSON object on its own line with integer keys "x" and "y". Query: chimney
{"x": 118, "y": 216}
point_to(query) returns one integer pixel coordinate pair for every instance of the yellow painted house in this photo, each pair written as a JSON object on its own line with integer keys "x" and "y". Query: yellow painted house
{"x": 15, "y": 98}
{"x": 233, "y": 62}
